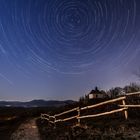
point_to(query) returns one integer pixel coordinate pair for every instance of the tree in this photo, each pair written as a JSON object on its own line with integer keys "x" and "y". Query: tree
{"x": 133, "y": 87}
{"x": 114, "y": 92}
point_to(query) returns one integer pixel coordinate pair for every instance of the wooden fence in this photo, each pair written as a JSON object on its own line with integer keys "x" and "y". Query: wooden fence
{"x": 123, "y": 107}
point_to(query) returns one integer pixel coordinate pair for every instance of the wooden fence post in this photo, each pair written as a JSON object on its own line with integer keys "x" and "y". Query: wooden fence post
{"x": 54, "y": 121}
{"x": 125, "y": 112}
{"x": 49, "y": 119}
{"x": 78, "y": 116}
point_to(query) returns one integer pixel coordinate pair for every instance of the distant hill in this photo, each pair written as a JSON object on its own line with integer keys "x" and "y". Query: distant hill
{"x": 36, "y": 103}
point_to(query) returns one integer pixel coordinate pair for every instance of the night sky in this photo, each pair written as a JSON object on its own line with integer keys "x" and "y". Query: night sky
{"x": 61, "y": 49}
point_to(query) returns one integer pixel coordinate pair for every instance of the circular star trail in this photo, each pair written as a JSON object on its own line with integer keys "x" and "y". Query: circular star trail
{"x": 67, "y": 36}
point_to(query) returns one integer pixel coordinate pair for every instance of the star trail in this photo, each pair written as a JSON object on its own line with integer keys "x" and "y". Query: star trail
{"x": 60, "y": 49}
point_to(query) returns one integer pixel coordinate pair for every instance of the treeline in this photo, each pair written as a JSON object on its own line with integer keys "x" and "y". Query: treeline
{"x": 113, "y": 92}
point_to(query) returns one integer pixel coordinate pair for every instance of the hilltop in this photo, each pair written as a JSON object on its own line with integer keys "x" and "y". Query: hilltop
{"x": 36, "y": 103}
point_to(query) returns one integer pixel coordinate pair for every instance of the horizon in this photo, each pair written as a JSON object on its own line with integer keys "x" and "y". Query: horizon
{"x": 62, "y": 49}
{"x": 106, "y": 90}
{"x": 34, "y": 100}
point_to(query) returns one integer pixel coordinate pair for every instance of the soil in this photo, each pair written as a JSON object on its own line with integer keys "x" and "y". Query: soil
{"x": 27, "y": 131}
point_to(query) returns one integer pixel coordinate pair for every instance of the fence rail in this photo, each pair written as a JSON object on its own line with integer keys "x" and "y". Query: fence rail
{"x": 103, "y": 103}
{"x": 74, "y": 109}
{"x": 102, "y": 114}
{"x": 122, "y": 108}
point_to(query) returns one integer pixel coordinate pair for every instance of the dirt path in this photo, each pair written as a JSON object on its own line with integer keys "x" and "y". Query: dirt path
{"x": 27, "y": 131}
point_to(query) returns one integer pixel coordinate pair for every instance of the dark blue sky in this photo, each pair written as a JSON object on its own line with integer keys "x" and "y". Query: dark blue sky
{"x": 61, "y": 49}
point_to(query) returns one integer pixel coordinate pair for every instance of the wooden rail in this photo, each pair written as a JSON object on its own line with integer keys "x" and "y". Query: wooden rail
{"x": 102, "y": 114}
{"x": 122, "y": 108}
{"x": 66, "y": 119}
{"x": 74, "y": 109}
{"x": 131, "y": 106}
{"x": 134, "y": 93}
{"x": 103, "y": 103}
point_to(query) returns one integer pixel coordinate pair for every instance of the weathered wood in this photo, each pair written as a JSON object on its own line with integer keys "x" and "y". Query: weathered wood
{"x": 103, "y": 103}
{"x": 102, "y": 114}
{"x": 66, "y": 119}
{"x": 125, "y": 111}
{"x": 129, "y": 106}
{"x": 46, "y": 119}
{"x": 59, "y": 120}
{"x": 45, "y": 115}
{"x": 134, "y": 93}
{"x": 52, "y": 117}
{"x": 54, "y": 120}
{"x": 70, "y": 118}
{"x": 78, "y": 116}
{"x": 51, "y": 122}
{"x": 74, "y": 109}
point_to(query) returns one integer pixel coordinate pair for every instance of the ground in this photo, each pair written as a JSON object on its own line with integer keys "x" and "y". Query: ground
{"x": 27, "y": 131}
{"x": 103, "y": 130}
